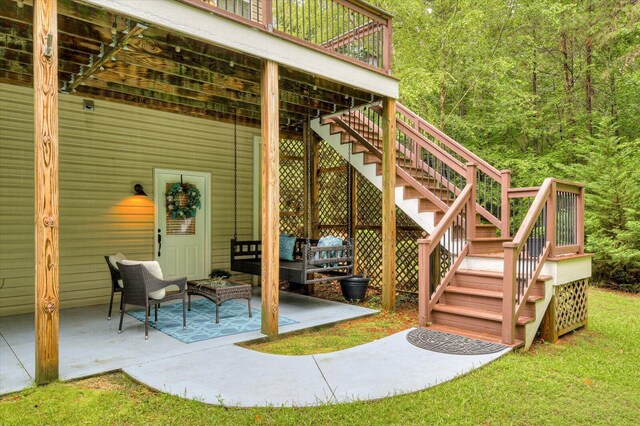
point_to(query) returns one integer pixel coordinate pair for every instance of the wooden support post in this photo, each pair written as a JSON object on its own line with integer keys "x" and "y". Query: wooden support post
{"x": 508, "y": 294}
{"x": 505, "y": 207}
{"x": 270, "y": 124}
{"x": 315, "y": 189}
{"x": 551, "y": 218}
{"x": 472, "y": 173}
{"x": 354, "y": 214}
{"x": 45, "y": 84}
{"x": 548, "y": 329}
{"x": 306, "y": 167}
{"x": 424, "y": 287}
{"x": 389, "y": 204}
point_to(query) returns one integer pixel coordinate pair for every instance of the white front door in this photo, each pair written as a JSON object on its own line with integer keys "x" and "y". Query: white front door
{"x": 182, "y": 244}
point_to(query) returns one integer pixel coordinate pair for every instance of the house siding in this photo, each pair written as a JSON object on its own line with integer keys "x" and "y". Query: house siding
{"x": 102, "y": 153}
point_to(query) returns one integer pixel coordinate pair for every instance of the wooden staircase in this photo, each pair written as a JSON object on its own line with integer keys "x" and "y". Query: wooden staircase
{"x": 463, "y": 203}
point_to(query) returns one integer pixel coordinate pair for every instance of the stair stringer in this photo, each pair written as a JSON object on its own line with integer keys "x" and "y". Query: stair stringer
{"x": 542, "y": 305}
{"x": 426, "y": 220}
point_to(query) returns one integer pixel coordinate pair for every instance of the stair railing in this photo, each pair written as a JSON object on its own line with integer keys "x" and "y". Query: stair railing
{"x": 431, "y": 172}
{"x": 492, "y": 185}
{"x": 440, "y": 255}
{"x": 422, "y": 162}
{"x": 553, "y": 225}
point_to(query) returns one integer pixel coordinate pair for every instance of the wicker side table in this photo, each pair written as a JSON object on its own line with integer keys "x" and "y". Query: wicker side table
{"x": 219, "y": 292}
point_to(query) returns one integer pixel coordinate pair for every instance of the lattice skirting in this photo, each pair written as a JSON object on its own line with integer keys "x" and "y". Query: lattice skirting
{"x": 571, "y": 306}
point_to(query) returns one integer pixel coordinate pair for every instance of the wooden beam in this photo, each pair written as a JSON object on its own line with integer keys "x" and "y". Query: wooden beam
{"x": 270, "y": 198}
{"x": 45, "y": 83}
{"x": 113, "y": 50}
{"x": 88, "y": 23}
{"x": 389, "y": 204}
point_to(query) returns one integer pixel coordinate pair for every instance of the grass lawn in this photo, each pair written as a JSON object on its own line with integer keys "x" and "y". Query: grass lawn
{"x": 591, "y": 377}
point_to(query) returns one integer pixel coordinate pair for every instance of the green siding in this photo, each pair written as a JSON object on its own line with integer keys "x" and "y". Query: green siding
{"x": 102, "y": 153}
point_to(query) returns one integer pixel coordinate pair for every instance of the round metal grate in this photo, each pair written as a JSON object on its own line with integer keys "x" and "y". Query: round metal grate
{"x": 446, "y": 343}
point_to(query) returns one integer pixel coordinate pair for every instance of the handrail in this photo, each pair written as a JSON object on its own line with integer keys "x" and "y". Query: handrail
{"x": 446, "y": 221}
{"x": 450, "y": 143}
{"x": 425, "y": 143}
{"x": 492, "y": 185}
{"x": 447, "y": 186}
{"x": 529, "y": 221}
{"x": 452, "y": 234}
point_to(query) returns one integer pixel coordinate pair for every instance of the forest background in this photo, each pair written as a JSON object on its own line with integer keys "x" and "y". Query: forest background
{"x": 541, "y": 87}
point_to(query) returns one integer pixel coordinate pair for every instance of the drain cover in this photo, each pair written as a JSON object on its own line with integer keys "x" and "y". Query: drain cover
{"x": 446, "y": 343}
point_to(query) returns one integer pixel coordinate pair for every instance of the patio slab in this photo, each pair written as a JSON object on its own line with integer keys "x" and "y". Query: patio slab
{"x": 13, "y": 376}
{"x": 89, "y": 344}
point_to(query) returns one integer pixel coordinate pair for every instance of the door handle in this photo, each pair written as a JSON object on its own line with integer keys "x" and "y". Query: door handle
{"x": 159, "y": 242}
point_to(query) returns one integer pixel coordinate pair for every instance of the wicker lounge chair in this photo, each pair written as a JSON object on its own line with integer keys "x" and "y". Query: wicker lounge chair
{"x": 142, "y": 288}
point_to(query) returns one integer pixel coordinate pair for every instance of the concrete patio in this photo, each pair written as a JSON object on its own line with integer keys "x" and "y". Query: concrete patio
{"x": 89, "y": 344}
{"x": 217, "y": 371}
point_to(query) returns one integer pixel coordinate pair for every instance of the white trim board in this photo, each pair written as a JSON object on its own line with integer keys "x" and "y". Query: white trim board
{"x": 214, "y": 29}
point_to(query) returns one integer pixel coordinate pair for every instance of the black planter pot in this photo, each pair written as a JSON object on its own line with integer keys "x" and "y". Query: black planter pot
{"x": 354, "y": 288}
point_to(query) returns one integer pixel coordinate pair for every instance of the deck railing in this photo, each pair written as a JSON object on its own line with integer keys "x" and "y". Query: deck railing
{"x": 552, "y": 225}
{"x": 350, "y": 29}
{"x": 492, "y": 185}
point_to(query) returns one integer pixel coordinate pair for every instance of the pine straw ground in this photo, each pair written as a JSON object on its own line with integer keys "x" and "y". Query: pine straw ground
{"x": 590, "y": 377}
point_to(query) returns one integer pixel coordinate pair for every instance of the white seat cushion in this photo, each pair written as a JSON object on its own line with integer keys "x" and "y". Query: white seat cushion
{"x": 154, "y": 269}
{"x": 114, "y": 259}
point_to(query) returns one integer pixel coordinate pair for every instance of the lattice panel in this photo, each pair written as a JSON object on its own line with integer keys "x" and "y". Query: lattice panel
{"x": 292, "y": 185}
{"x": 369, "y": 254}
{"x": 571, "y": 306}
{"x": 332, "y": 192}
{"x": 329, "y": 158}
{"x": 407, "y": 259}
{"x": 369, "y": 239}
{"x": 332, "y": 202}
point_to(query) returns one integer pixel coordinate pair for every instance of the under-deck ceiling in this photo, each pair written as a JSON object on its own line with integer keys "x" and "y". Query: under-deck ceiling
{"x": 159, "y": 69}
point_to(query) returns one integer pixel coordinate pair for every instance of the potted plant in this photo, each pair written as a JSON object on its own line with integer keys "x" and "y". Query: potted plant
{"x": 355, "y": 287}
{"x": 219, "y": 273}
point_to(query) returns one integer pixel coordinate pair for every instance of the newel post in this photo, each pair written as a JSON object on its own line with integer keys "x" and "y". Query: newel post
{"x": 267, "y": 14}
{"x": 424, "y": 275}
{"x": 508, "y": 294}
{"x": 45, "y": 84}
{"x": 387, "y": 48}
{"x": 472, "y": 173}
{"x": 505, "y": 208}
{"x": 551, "y": 218}
{"x": 580, "y": 221}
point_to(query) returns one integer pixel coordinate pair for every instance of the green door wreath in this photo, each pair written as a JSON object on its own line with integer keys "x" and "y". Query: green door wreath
{"x": 183, "y": 200}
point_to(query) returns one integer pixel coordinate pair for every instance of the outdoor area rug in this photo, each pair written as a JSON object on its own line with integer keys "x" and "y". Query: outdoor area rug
{"x": 201, "y": 320}
{"x": 446, "y": 343}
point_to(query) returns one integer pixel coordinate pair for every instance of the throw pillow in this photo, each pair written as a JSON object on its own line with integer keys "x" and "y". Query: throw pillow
{"x": 287, "y": 246}
{"x": 154, "y": 269}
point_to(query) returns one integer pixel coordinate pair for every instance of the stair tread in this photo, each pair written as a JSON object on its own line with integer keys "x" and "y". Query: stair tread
{"x": 484, "y": 293}
{"x": 493, "y": 274}
{"x": 477, "y": 313}
{"x": 491, "y": 338}
{"x": 491, "y": 239}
